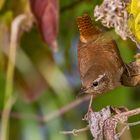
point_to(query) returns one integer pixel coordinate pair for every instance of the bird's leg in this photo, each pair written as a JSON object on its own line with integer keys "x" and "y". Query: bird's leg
{"x": 90, "y": 102}
{"x": 127, "y": 68}
{"x": 89, "y": 108}
{"x": 131, "y": 77}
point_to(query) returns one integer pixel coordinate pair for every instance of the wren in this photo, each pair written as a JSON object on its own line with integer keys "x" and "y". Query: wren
{"x": 100, "y": 64}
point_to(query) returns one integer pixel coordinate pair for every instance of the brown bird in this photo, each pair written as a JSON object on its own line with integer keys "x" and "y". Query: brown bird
{"x": 99, "y": 60}
{"x": 100, "y": 64}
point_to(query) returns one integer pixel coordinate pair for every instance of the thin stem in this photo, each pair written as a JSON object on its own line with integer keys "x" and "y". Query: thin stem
{"x": 134, "y": 123}
{"x": 130, "y": 113}
{"x": 8, "y": 102}
{"x": 54, "y": 114}
{"x": 65, "y": 109}
{"x": 75, "y": 131}
{"x": 118, "y": 135}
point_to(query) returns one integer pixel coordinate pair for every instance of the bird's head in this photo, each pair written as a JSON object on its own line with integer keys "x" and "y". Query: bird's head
{"x": 95, "y": 82}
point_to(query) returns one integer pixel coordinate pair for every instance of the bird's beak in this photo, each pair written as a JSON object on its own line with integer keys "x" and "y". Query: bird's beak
{"x": 81, "y": 92}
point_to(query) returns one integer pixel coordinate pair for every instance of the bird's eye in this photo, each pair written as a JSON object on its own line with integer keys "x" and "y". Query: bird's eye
{"x": 95, "y": 84}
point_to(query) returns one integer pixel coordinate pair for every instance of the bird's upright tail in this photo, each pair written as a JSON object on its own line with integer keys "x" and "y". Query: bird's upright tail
{"x": 86, "y": 28}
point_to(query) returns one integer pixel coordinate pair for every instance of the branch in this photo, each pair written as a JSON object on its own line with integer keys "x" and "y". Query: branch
{"x": 129, "y": 113}
{"x": 54, "y": 114}
{"x": 118, "y": 135}
{"x": 66, "y": 108}
{"x": 75, "y": 132}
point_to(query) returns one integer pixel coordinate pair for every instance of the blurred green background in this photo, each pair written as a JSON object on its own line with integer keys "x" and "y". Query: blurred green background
{"x": 46, "y": 81}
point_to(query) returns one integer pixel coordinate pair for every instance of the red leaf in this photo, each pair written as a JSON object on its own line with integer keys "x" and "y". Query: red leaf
{"x": 46, "y": 13}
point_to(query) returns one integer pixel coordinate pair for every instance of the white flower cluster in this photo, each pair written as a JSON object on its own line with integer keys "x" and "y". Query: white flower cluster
{"x": 112, "y": 13}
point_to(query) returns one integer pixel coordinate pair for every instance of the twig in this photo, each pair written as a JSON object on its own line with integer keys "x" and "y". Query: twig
{"x": 70, "y": 6}
{"x": 63, "y": 110}
{"x": 10, "y": 74}
{"x": 134, "y": 123}
{"x": 124, "y": 116}
{"x": 127, "y": 114}
{"x": 130, "y": 113}
{"x": 75, "y": 132}
{"x": 66, "y": 108}
{"x": 54, "y": 114}
{"x": 118, "y": 135}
